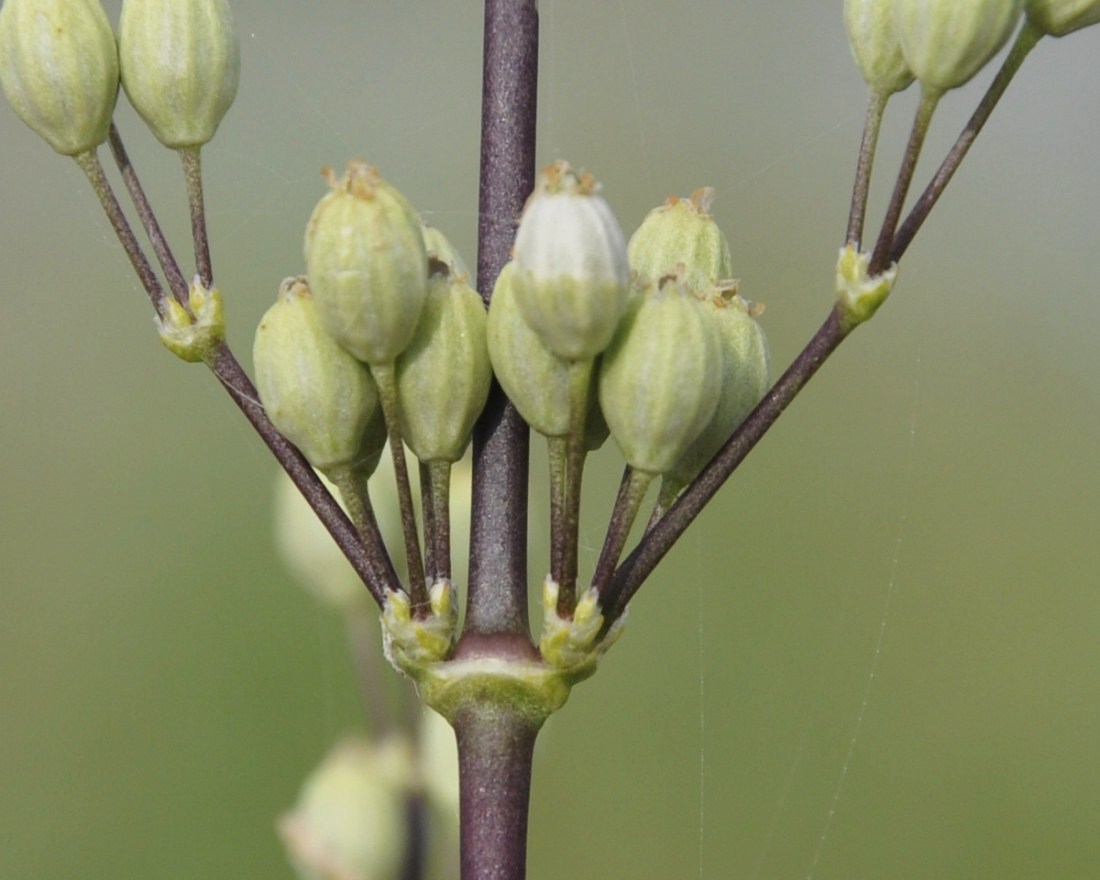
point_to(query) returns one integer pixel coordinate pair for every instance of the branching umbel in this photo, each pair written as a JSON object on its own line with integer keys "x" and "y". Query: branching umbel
{"x": 383, "y": 341}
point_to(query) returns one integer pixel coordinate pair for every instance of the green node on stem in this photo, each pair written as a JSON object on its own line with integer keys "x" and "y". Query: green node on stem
{"x": 858, "y": 293}
{"x": 193, "y": 333}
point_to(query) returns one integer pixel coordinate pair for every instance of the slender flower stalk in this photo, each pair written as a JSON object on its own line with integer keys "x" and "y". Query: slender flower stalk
{"x": 191, "y": 157}
{"x": 929, "y": 98}
{"x": 876, "y": 108}
{"x": 1028, "y": 36}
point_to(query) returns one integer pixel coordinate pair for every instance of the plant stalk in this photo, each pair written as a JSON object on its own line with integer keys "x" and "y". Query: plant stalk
{"x": 497, "y": 598}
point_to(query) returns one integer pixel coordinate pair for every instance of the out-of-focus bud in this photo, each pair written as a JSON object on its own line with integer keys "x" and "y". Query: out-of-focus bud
{"x": 366, "y": 264}
{"x": 59, "y": 70}
{"x": 571, "y": 273}
{"x": 858, "y": 294}
{"x": 875, "y": 46}
{"x": 682, "y": 232}
{"x": 180, "y": 66}
{"x": 350, "y": 819}
{"x": 318, "y": 396}
{"x": 439, "y": 246}
{"x": 443, "y": 377}
{"x": 744, "y": 378}
{"x": 534, "y": 379}
{"x": 1061, "y": 17}
{"x": 311, "y": 556}
{"x": 661, "y": 377}
{"x": 946, "y": 42}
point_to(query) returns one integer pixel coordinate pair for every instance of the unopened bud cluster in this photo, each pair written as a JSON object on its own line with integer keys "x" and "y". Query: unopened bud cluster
{"x": 61, "y": 67}
{"x": 672, "y": 379}
{"x": 944, "y": 43}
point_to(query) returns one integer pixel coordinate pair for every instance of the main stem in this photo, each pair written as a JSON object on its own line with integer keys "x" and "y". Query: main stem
{"x": 497, "y": 601}
{"x": 494, "y": 744}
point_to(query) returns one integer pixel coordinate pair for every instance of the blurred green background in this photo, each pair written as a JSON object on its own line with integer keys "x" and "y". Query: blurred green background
{"x": 875, "y": 656}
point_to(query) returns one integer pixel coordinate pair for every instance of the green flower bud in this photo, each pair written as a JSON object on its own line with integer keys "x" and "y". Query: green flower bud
{"x": 439, "y": 246}
{"x": 180, "y": 66}
{"x": 534, "y": 379}
{"x": 350, "y": 819}
{"x": 661, "y": 377}
{"x": 193, "y": 333}
{"x": 319, "y": 397}
{"x": 1061, "y": 17}
{"x": 873, "y": 39}
{"x": 59, "y": 70}
{"x": 743, "y": 383}
{"x": 366, "y": 264}
{"x": 946, "y": 42}
{"x": 308, "y": 552}
{"x": 682, "y": 232}
{"x": 571, "y": 274}
{"x": 443, "y": 377}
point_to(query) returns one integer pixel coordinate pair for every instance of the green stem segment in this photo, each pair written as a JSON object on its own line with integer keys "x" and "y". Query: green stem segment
{"x": 876, "y": 107}
{"x": 192, "y": 174}
{"x": 569, "y": 521}
{"x": 435, "y": 491}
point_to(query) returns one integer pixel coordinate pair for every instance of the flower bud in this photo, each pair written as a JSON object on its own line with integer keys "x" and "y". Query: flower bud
{"x": 571, "y": 274}
{"x": 437, "y": 245}
{"x": 946, "y": 42}
{"x": 443, "y": 377}
{"x": 743, "y": 383}
{"x": 534, "y": 379}
{"x": 59, "y": 70}
{"x": 873, "y": 39}
{"x": 193, "y": 333}
{"x": 180, "y": 66}
{"x": 1061, "y": 17}
{"x": 319, "y": 397}
{"x": 350, "y": 819}
{"x": 366, "y": 264}
{"x": 682, "y": 232}
{"x": 308, "y": 552}
{"x": 661, "y": 377}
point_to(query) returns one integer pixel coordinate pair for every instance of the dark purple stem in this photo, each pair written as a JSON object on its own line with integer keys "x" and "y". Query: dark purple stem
{"x": 495, "y": 749}
{"x": 497, "y": 601}
{"x": 176, "y": 282}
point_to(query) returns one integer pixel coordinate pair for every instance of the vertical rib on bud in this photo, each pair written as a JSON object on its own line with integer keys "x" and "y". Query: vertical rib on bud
{"x": 443, "y": 377}
{"x": 180, "y": 66}
{"x": 682, "y": 232}
{"x": 661, "y": 376}
{"x": 743, "y": 382}
{"x": 366, "y": 264}
{"x": 1061, "y": 17}
{"x": 873, "y": 38}
{"x": 946, "y": 42}
{"x": 318, "y": 396}
{"x": 571, "y": 272}
{"x": 535, "y": 379}
{"x": 59, "y": 70}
